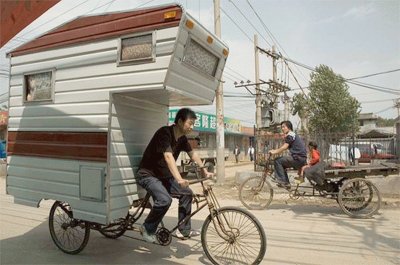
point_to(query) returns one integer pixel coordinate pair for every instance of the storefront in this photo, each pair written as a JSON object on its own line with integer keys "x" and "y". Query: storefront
{"x": 205, "y": 129}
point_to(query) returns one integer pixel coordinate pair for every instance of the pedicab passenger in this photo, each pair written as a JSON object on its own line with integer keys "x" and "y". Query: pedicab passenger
{"x": 314, "y": 156}
{"x": 159, "y": 175}
{"x": 296, "y": 159}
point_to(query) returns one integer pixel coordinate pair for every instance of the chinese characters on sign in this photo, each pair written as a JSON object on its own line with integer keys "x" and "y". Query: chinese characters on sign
{"x": 208, "y": 122}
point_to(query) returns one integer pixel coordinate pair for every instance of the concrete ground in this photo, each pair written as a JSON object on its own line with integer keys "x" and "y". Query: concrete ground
{"x": 303, "y": 232}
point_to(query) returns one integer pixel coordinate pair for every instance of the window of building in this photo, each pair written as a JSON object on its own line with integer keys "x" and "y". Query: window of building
{"x": 38, "y": 86}
{"x": 200, "y": 58}
{"x": 137, "y": 49}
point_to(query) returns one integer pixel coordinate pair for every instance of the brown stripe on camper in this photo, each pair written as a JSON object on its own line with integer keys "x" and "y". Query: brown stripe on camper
{"x": 94, "y": 28}
{"x": 91, "y": 146}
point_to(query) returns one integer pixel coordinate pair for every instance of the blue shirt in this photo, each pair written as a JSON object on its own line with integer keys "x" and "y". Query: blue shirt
{"x": 297, "y": 147}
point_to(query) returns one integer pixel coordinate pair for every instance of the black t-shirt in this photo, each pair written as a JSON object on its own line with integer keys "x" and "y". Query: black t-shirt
{"x": 163, "y": 141}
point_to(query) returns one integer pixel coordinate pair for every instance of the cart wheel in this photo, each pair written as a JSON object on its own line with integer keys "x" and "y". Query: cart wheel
{"x": 359, "y": 198}
{"x": 69, "y": 234}
{"x": 114, "y": 231}
{"x": 256, "y": 193}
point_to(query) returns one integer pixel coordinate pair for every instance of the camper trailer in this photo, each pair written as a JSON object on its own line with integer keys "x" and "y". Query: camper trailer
{"x": 86, "y": 97}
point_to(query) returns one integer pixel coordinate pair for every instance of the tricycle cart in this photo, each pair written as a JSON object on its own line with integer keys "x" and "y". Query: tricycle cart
{"x": 356, "y": 195}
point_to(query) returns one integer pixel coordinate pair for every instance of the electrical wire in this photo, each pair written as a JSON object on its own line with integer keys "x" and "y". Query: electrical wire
{"x": 386, "y": 109}
{"x": 272, "y": 35}
{"x": 262, "y": 36}
{"x": 380, "y": 73}
{"x": 47, "y": 22}
{"x": 226, "y": 14}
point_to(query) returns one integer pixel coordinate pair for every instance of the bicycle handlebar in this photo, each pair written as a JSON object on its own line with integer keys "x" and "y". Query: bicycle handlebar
{"x": 197, "y": 180}
{"x": 195, "y": 168}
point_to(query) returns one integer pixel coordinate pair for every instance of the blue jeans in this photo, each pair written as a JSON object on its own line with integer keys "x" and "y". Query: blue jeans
{"x": 281, "y": 163}
{"x": 160, "y": 190}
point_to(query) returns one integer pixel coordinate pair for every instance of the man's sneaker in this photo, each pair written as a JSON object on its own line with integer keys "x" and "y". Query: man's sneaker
{"x": 186, "y": 234}
{"x": 151, "y": 238}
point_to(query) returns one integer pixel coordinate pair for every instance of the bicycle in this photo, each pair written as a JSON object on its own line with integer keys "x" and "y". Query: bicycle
{"x": 356, "y": 196}
{"x": 229, "y": 235}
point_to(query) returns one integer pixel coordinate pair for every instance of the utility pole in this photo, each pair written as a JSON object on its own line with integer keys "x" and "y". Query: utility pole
{"x": 397, "y": 105}
{"x": 274, "y": 72}
{"x": 220, "y": 131}
{"x": 258, "y": 92}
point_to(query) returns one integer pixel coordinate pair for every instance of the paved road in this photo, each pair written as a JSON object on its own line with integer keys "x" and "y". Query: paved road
{"x": 297, "y": 234}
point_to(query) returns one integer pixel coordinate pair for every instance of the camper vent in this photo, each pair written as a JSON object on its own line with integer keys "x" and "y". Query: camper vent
{"x": 38, "y": 86}
{"x": 137, "y": 48}
{"x": 200, "y": 58}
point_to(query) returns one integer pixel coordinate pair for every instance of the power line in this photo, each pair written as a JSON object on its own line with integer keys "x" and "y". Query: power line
{"x": 271, "y": 35}
{"x": 236, "y": 25}
{"x": 53, "y": 18}
{"x": 250, "y": 23}
{"x": 369, "y": 86}
{"x": 380, "y": 73}
{"x": 239, "y": 74}
{"x": 385, "y": 109}
{"x": 376, "y": 101}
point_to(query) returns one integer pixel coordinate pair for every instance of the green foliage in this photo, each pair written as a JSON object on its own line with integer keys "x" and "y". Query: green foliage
{"x": 385, "y": 122}
{"x": 299, "y": 105}
{"x": 330, "y": 106}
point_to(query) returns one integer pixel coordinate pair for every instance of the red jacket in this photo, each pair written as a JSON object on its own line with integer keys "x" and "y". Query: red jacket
{"x": 315, "y": 155}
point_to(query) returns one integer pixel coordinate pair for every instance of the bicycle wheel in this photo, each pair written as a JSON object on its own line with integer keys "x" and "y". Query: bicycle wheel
{"x": 359, "y": 198}
{"x": 256, "y": 193}
{"x": 233, "y": 236}
{"x": 69, "y": 234}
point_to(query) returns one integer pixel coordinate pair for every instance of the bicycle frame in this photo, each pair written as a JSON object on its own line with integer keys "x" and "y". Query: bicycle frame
{"x": 207, "y": 198}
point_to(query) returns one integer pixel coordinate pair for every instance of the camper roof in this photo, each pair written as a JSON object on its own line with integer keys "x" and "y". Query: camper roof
{"x": 109, "y": 25}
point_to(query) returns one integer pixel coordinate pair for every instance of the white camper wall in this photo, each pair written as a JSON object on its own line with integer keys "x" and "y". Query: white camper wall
{"x": 84, "y": 77}
{"x": 133, "y": 123}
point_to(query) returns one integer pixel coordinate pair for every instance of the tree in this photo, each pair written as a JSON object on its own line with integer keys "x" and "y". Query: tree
{"x": 300, "y": 107}
{"x": 331, "y": 107}
{"x": 385, "y": 122}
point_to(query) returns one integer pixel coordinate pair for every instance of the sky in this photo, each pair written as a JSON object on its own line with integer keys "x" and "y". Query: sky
{"x": 355, "y": 38}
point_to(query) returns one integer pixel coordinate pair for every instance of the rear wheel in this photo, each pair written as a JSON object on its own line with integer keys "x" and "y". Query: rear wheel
{"x": 359, "y": 198}
{"x": 233, "y": 236}
{"x": 255, "y": 193}
{"x": 69, "y": 234}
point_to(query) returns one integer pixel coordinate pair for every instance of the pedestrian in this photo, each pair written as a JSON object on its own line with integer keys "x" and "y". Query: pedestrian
{"x": 296, "y": 159}
{"x": 236, "y": 152}
{"x": 251, "y": 152}
{"x": 159, "y": 175}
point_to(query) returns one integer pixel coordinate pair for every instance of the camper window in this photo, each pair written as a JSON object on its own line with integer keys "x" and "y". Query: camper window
{"x": 137, "y": 49}
{"x": 38, "y": 86}
{"x": 200, "y": 58}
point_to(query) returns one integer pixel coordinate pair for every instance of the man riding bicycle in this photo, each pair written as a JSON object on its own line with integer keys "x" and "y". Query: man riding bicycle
{"x": 296, "y": 159}
{"x": 159, "y": 175}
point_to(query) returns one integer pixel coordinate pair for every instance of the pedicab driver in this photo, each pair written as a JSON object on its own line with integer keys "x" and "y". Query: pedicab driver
{"x": 159, "y": 175}
{"x": 296, "y": 159}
